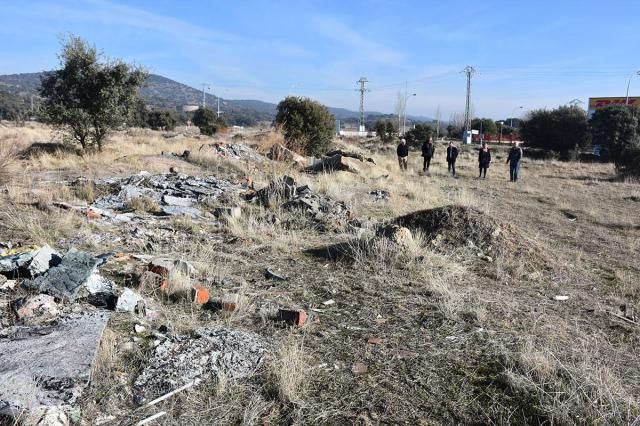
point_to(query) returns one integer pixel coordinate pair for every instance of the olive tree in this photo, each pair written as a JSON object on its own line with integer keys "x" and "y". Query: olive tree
{"x": 89, "y": 96}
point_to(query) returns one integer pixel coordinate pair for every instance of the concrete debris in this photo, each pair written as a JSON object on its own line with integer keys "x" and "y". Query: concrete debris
{"x": 199, "y": 295}
{"x": 15, "y": 265}
{"x": 34, "y": 310}
{"x": 180, "y": 360}
{"x": 101, "y": 291}
{"x": 176, "y": 193}
{"x": 278, "y": 191}
{"x": 178, "y": 201}
{"x": 268, "y": 273}
{"x": 234, "y": 151}
{"x": 279, "y": 152}
{"x": 6, "y": 284}
{"x": 49, "y": 365}
{"x": 44, "y": 259}
{"x": 561, "y": 298}
{"x": 129, "y": 301}
{"x": 65, "y": 280}
{"x": 181, "y": 211}
{"x": 380, "y": 195}
{"x": 343, "y": 161}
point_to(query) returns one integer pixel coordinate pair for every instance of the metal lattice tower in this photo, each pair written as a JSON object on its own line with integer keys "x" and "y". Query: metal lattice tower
{"x": 469, "y": 71}
{"x": 362, "y": 90}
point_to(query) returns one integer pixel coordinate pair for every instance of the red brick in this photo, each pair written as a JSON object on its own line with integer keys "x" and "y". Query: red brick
{"x": 200, "y": 295}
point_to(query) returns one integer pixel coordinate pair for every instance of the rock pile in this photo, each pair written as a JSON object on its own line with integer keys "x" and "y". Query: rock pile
{"x": 174, "y": 193}
{"x": 234, "y": 151}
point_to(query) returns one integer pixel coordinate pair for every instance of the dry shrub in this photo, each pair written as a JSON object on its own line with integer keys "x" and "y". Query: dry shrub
{"x": 8, "y": 160}
{"x": 289, "y": 372}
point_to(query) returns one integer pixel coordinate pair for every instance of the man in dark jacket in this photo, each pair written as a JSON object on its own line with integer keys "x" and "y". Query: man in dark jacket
{"x": 484, "y": 159}
{"x": 452, "y": 156}
{"x": 515, "y": 155}
{"x": 428, "y": 149}
{"x": 403, "y": 154}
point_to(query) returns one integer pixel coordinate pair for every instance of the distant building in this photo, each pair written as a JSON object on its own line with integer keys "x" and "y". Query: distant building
{"x": 190, "y": 108}
{"x": 597, "y": 103}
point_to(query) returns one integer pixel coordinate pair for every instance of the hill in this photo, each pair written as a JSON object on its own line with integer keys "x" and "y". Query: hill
{"x": 165, "y": 93}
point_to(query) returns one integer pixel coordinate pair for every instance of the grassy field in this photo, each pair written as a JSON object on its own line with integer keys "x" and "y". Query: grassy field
{"x": 452, "y": 329}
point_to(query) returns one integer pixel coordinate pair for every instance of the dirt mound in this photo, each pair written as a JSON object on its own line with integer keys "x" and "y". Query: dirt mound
{"x": 457, "y": 227}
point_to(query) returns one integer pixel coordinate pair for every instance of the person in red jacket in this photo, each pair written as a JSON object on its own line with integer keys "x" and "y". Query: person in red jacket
{"x": 484, "y": 159}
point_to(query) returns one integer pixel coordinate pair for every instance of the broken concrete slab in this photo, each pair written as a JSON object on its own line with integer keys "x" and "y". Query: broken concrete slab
{"x": 178, "y": 201}
{"x": 279, "y": 152}
{"x": 101, "y": 291}
{"x": 180, "y": 360}
{"x": 50, "y": 365}
{"x": 34, "y": 310}
{"x": 129, "y": 301}
{"x": 181, "y": 211}
{"x": 16, "y": 264}
{"x": 43, "y": 259}
{"x": 65, "y": 280}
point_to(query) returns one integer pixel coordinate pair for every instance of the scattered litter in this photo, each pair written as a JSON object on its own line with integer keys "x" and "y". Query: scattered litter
{"x": 359, "y": 368}
{"x": 268, "y": 273}
{"x": 374, "y": 341}
{"x": 329, "y": 302}
{"x": 129, "y": 301}
{"x": 380, "y": 195}
{"x": 296, "y": 317}
{"x": 560, "y": 298}
{"x": 151, "y": 418}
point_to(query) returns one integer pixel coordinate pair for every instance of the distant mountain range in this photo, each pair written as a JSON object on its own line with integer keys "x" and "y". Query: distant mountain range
{"x": 161, "y": 92}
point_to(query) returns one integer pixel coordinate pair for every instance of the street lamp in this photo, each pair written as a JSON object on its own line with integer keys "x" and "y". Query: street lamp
{"x": 512, "y": 111}
{"x": 501, "y": 123}
{"x": 404, "y": 123}
{"x": 628, "y": 84}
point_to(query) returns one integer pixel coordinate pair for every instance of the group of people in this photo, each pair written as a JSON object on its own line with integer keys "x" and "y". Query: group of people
{"x": 484, "y": 158}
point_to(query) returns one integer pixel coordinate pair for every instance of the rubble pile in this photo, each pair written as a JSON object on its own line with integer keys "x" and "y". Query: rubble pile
{"x": 343, "y": 161}
{"x": 175, "y": 193}
{"x": 285, "y": 193}
{"x": 183, "y": 359}
{"x": 234, "y": 151}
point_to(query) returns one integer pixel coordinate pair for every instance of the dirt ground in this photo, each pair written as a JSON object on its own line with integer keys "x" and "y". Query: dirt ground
{"x": 461, "y": 326}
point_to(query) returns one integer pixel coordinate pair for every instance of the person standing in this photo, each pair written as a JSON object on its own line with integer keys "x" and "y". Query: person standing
{"x": 484, "y": 159}
{"x": 428, "y": 149}
{"x": 515, "y": 155}
{"x": 452, "y": 156}
{"x": 403, "y": 154}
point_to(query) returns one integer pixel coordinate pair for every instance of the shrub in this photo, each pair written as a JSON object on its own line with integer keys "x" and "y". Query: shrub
{"x": 618, "y": 129}
{"x": 306, "y": 124}
{"x": 562, "y": 129}
{"x": 420, "y": 133}
{"x": 386, "y": 130}
{"x": 207, "y": 121}
{"x": 161, "y": 120}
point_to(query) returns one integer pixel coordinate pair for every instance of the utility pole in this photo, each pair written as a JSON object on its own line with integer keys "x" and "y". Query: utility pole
{"x": 404, "y": 108}
{"x": 626, "y": 102}
{"x": 362, "y": 90}
{"x": 219, "y": 112}
{"x": 469, "y": 71}
{"x": 204, "y": 101}
{"x": 438, "y": 123}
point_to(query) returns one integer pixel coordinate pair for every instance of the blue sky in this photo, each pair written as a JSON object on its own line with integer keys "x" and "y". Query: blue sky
{"x": 530, "y": 53}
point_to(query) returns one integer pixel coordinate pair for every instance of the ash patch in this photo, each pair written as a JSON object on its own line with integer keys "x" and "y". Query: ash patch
{"x": 180, "y": 360}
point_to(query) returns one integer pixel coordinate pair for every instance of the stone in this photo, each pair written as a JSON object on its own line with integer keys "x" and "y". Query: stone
{"x": 7, "y": 284}
{"x": 233, "y": 212}
{"x": 397, "y": 234}
{"x": 65, "y": 280}
{"x": 43, "y": 259}
{"x": 278, "y": 152}
{"x": 359, "y": 368}
{"x": 183, "y": 359}
{"x": 15, "y": 264}
{"x": 101, "y": 291}
{"x": 37, "y": 309}
{"x": 49, "y": 365}
{"x": 178, "y": 201}
{"x": 374, "y": 341}
{"x": 139, "y": 329}
{"x": 129, "y": 301}
{"x": 181, "y": 211}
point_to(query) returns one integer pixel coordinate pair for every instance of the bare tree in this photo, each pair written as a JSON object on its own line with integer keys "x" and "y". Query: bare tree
{"x": 400, "y": 107}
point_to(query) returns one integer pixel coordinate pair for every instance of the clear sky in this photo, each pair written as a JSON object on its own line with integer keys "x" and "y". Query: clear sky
{"x": 527, "y": 53}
